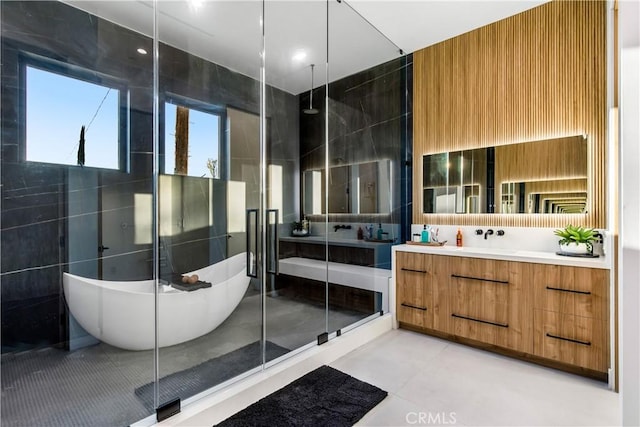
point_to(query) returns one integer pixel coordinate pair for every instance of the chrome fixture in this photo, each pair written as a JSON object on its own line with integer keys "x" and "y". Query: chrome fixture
{"x": 341, "y": 226}
{"x": 500, "y": 232}
{"x": 311, "y": 110}
{"x": 479, "y": 232}
{"x": 489, "y": 232}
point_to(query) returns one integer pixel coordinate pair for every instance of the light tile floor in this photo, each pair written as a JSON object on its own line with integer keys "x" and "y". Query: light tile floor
{"x": 436, "y": 382}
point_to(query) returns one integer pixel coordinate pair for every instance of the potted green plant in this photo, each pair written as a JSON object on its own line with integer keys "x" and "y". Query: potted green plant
{"x": 297, "y": 229}
{"x": 576, "y": 239}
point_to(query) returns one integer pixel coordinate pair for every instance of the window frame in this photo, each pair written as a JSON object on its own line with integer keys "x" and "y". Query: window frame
{"x": 202, "y": 107}
{"x": 86, "y": 75}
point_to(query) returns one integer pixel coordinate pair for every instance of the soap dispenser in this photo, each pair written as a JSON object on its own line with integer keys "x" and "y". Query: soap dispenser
{"x": 379, "y": 236}
{"x": 425, "y": 235}
{"x": 459, "y": 238}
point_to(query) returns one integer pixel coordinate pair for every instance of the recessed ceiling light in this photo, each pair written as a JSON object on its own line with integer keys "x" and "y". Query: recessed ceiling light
{"x": 195, "y": 4}
{"x": 299, "y": 55}
{"x": 142, "y": 51}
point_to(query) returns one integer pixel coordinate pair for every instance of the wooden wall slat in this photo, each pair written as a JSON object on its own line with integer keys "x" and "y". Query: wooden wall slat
{"x": 537, "y": 75}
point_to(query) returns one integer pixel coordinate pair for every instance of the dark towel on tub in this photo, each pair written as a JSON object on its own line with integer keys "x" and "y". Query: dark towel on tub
{"x": 176, "y": 282}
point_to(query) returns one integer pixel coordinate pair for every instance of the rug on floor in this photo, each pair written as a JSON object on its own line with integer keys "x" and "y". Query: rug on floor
{"x": 323, "y": 397}
{"x": 191, "y": 381}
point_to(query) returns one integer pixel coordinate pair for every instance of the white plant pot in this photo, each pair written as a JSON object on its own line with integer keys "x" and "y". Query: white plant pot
{"x": 575, "y": 248}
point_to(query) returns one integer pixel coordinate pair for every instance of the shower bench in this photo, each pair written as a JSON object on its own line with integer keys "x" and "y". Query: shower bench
{"x": 354, "y": 276}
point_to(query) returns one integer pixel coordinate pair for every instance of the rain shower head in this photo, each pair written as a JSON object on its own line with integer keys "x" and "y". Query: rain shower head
{"x": 311, "y": 110}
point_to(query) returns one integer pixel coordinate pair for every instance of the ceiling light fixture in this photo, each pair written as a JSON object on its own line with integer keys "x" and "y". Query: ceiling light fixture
{"x": 299, "y": 55}
{"x": 195, "y": 4}
{"x": 311, "y": 110}
{"x": 141, "y": 51}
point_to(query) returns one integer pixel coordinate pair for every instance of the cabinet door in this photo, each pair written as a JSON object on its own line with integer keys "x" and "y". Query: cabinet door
{"x": 571, "y": 316}
{"x": 413, "y": 295}
{"x": 580, "y": 341}
{"x": 488, "y": 303}
{"x": 572, "y": 290}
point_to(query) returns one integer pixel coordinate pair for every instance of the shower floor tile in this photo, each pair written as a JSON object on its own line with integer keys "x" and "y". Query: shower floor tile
{"x": 95, "y": 385}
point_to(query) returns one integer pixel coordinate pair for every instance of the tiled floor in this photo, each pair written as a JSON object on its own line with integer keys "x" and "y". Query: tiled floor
{"x": 96, "y": 385}
{"x": 435, "y": 382}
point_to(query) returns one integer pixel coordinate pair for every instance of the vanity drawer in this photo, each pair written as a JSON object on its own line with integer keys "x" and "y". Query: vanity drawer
{"x": 483, "y": 302}
{"x": 412, "y": 266}
{"x": 572, "y": 290}
{"x": 480, "y": 270}
{"x": 487, "y": 303}
{"x": 414, "y": 294}
{"x": 580, "y": 341}
{"x": 494, "y": 331}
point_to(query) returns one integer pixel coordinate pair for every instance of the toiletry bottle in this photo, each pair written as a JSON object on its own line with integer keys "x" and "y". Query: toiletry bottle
{"x": 305, "y": 224}
{"x": 370, "y": 231}
{"x": 379, "y": 236}
{"x": 459, "y": 238}
{"x": 360, "y": 233}
{"x": 425, "y": 235}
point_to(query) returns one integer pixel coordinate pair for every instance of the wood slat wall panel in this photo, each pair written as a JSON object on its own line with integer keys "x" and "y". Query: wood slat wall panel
{"x": 537, "y": 75}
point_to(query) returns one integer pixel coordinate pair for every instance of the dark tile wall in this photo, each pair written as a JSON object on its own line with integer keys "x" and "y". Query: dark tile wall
{"x": 36, "y": 197}
{"x": 368, "y": 120}
{"x": 36, "y": 200}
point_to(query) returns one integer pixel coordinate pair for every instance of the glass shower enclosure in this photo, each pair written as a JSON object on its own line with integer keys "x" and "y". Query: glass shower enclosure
{"x": 154, "y": 157}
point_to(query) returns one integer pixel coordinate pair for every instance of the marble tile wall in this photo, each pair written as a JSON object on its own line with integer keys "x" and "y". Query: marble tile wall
{"x": 369, "y": 120}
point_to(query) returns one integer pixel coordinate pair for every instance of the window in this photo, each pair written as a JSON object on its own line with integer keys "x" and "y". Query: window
{"x": 201, "y": 139}
{"x": 59, "y": 104}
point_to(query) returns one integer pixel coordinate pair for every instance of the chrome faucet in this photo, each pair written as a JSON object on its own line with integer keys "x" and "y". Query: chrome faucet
{"x": 341, "y": 226}
{"x": 489, "y": 232}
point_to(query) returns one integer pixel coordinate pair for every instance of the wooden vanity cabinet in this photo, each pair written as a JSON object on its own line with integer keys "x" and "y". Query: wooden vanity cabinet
{"x": 556, "y": 315}
{"x": 571, "y": 315}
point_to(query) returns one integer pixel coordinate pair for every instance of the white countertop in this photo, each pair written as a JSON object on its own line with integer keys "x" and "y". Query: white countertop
{"x": 508, "y": 255}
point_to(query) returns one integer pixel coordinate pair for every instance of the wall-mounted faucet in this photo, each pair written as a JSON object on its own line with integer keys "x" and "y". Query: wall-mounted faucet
{"x": 479, "y": 232}
{"x": 341, "y": 226}
{"x": 500, "y": 232}
{"x": 489, "y": 232}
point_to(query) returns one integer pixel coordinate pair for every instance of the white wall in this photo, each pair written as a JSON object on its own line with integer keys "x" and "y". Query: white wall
{"x": 629, "y": 298}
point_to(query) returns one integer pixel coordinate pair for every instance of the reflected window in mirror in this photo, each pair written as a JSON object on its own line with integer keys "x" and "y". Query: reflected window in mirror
{"x": 74, "y": 116}
{"x": 193, "y": 135}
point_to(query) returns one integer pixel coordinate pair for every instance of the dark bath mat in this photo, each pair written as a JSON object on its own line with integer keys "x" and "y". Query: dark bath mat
{"x": 324, "y": 397}
{"x": 191, "y": 381}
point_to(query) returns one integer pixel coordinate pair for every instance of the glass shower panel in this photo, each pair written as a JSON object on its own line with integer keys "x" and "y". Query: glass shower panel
{"x": 210, "y": 302}
{"x": 77, "y": 190}
{"x": 366, "y": 117}
{"x": 296, "y": 65}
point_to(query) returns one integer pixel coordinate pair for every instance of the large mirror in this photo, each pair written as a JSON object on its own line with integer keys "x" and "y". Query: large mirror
{"x": 362, "y": 188}
{"x": 548, "y": 176}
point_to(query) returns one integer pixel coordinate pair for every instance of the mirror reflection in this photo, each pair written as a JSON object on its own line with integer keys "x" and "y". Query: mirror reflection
{"x": 362, "y": 188}
{"x": 547, "y": 176}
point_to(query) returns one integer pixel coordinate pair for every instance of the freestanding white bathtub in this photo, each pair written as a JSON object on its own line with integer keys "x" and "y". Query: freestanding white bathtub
{"x": 122, "y": 314}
